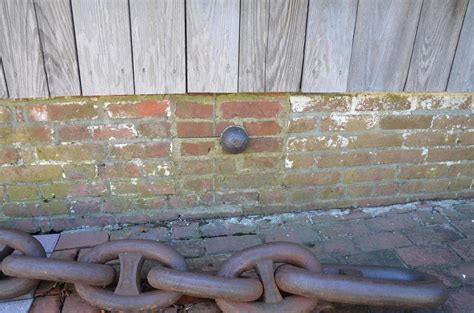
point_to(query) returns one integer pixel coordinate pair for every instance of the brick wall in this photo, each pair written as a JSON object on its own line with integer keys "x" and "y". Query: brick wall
{"x": 97, "y": 161}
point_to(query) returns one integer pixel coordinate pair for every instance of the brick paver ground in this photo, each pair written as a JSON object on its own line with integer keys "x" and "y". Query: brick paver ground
{"x": 436, "y": 237}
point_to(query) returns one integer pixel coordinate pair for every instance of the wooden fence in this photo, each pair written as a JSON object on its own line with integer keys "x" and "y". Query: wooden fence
{"x": 112, "y": 47}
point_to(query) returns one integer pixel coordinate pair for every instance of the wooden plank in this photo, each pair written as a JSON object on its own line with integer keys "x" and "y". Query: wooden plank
{"x": 328, "y": 45}
{"x": 59, "y": 48}
{"x": 462, "y": 72}
{"x": 103, "y": 46}
{"x": 254, "y": 16}
{"x": 435, "y": 44}
{"x": 3, "y": 83}
{"x": 383, "y": 43}
{"x": 20, "y": 50}
{"x": 158, "y": 42}
{"x": 286, "y": 37}
{"x": 212, "y": 45}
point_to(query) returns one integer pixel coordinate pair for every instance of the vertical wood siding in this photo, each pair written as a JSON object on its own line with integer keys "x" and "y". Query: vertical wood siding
{"x": 115, "y": 47}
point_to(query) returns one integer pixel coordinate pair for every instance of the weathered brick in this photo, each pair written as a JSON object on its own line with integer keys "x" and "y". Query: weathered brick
{"x": 318, "y": 178}
{"x": 5, "y": 115}
{"x": 262, "y": 162}
{"x": 73, "y": 133}
{"x": 344, "y": 159}
{"x": 8, "y": 155}
{"x": 272, "y": 196}
{"x": 76, "y": 153}
{"x": 341, "y": 122}
{"x": 254, "y": 109}
{"x": 465, "y": 248}
{"x": 405, "y": 122}
{"x": 302, "y": 124}
{"x": 359, "y": 190}
{"x": 317, "y": 143}
{"x": 303, "y": 195}
{"x": 374, "y": 140}
{"x": 142, "y": 109}
{"x": 226, "y": 166}
{"x": 246, "y": 181}
{"x": 397, "y": 156}
{"x": 265, "y": 144}
{"x": 443, "y": 102}
{"x": 427, "y": 255}
{"x": 142, "y": 188}
{"x": 65, "y": 190}
{"x": 391, "y": 222}
{"x": 186, "y": 231}
{"x": 22, "y": 192}
{"x": 453, "y": 122}
{"x": 466, "y": 169}
{"x": 300, "y": 161}
{"x": 380, "y": 241}
{"x": 140, "y": 150}
{"x": 450, "y": 154}
{"x": 423, "y": 171}
{"x": 466, "y": 138}
{"x": 26, "y": 134}
{"x": 195, "y": 129}
{"x": 323, "y": 103}
{"x": 195, "y": 167}
{"x": 61, "y": 111}
{"x": 428, "y": 138}
{"x": 369, "y": 174}
{"x": 389, "y": 102}
{"x": 35, "y": 209}
{"x": 81, "y": 239}
{"x": 431, "y": 235}
{"x": 51, "y": 304}
{"x": 118, "y": 170}
{"x": 37, "y": 173}
{"x": 155, "y": 129}
{"x": 158, "y": 168}
{"x": 200, "y": 184}
{"x": 240, "y": 198}
{"x": 197, "y": 147}
{"x": 386, "y": 189}
{"x": 186, "y": 109}
{"x": 113, "y": 132}
{"x": 228, "y": 244}
{"x": 80, "y": 171}
{"x": 266, "y": 128}
{"x": 333, "y": 192}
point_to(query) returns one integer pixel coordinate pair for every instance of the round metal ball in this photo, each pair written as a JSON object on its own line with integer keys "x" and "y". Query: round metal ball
{"x": 234, "y": 139}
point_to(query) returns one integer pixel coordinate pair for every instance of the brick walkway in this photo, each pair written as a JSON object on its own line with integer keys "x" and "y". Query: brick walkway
{"x": 436, "y": 237}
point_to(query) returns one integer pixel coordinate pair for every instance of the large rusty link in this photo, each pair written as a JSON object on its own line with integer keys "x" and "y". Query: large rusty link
{"x": 58, "y": 270}
{"x": 127, "y": 295}
{"x": 204, "y": 285}
{"x": 28, "y": 245}
{"x": 368, "y": 285}
{"x": 262, "y": 258}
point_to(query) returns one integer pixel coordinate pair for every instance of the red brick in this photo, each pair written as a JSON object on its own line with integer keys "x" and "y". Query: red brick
{"x": 429, "y": 138}
{"x": 369, "y": 174}
{"x": 344, "y": 159}
{"x": 8, "y": 155}
{"x": 427, "y": 255}
{"x": 331, "y": 193}
{"x": 77, "y": 153}
{"x": 158, "y": 168}
{"x": 391, "y": 222}
{"x": 265, "y": 145}
{"x": 405, "y": 122}
{"x": 386, "y": 189}
{"x": 195, "y": 167}
{"x": 155, "y": 129}
{"x": 197, "y": 148}
{"x": 194, "y": 110}
{"x": 119, "y": 170}
{"x": 80, "y": 171}
{"x": 113, "y": 132}
{"x": 423, "y": 171}
{"x": 35, "y": 209}
{"x": 73, "y": 133}
{"x": 300, "y": 161}
{"x": 460, "y": 300}
{"x": 450, "y": 154}
{"x": 319, "y": 178}
{"x": 381, "y": 241}
{"x": 74, "y": 189}
{"x": 341, "y": 246}
{"x": 431, "y": 235}
{"x": 145, "y": 108}
{"x": 195, "y": 129}
{"x": 37, "y": 173}
{"x": 142, "y": 188}
{"x": 49, "y": 304}
{"x": 61, "y": 112}
{"x": 27, "y": 134}
{"x": 374, "y": 140}
{"x": 20, "y": 116}
{"x": 140, "y": 150}
{"x": 247, "y": 181}
{"x": 262, "y": 128}
{"x": 81, "y": 239}
{"x": 221, "y": 126}
{"x": 254, "y": 109}
{"x": 347, "y": 123}
{"x": 359, "y": 190}
{"x": 5, "y": 115}
{"x": 201, "y": 184}
{"x": 262, "y": 162}
{"x": 74, "y": 304}
{"x": 453, "y": 122}
{"x": 240, "y": 198}
{"x": 466, "y": 138}
{"x": 301, "y": 124}
{"x": 397, "y": 156}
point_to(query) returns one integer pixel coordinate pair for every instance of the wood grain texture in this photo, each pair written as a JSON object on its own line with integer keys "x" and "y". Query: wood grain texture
{"x": 328, "y": 45}
{"x": 212, "y": 45}
{"x": 158, "y": 41}
{"x": 20, "y": 50}
{"x": 462, "y": 72}
{"x": 435, "y": 44}
{"x": 383, "y": 43}
{"x": 103, "y": 46}
{"x": 254, "y": 15}
{"x": 59, "y": 47}
{"x": 3, "y": 83}
{"x": 286, "y": 37}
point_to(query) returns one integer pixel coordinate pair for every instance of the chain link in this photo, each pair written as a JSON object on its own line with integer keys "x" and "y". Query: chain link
{"x": 251, "y": 280}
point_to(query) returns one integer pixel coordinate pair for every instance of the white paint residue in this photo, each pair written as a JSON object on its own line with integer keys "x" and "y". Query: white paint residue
{"x": 288, "y": 163}
{"x": 39, "y": 114}
{"x": 134, "y": 181}
{"x": 164, "y": 168}
{"x": 300, "y": 103}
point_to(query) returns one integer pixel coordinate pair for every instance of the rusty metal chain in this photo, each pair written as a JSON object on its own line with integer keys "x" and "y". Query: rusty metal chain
{"x": 272, "y": 277}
